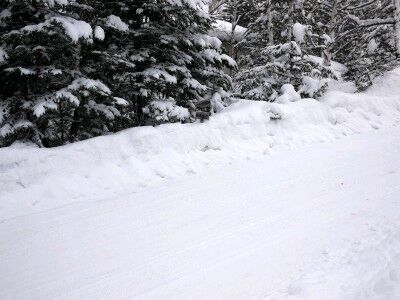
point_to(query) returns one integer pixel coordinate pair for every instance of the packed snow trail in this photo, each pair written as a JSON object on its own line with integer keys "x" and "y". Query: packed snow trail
{"x": 320, "y": 222}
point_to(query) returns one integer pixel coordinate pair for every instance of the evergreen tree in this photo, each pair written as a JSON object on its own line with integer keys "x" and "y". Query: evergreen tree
{"x": 115, "y": 64}
{"x": 362, "y": 35}
{"x": 188, "y": 63}
{"x": 159, "y": 57}
{"x": 45, "y": 95}
{"x": 367, "y": 41}
{"x": 238, "y": 14}
{"x": 278, "y": 59}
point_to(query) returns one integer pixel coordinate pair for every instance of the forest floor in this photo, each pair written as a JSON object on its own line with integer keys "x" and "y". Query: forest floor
{"x": 318, "y": 222}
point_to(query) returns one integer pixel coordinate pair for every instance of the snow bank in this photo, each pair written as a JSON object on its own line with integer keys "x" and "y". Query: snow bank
{"x": 33, "y": 179}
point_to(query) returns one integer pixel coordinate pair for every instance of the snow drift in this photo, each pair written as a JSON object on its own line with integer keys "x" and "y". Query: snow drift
{"x": 33, "y": 179}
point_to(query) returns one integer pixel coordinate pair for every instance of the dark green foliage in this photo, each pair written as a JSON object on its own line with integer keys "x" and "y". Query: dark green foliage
{"x": 276, "y": 56}
{"x": 123, "y": 64}
{"x": 368, "y": 49}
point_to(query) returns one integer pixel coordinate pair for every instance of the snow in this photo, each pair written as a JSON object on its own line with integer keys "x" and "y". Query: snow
{"x": 231, "y": 62}
{"x": 5, "y": 13}
{"x": 289, "y": 94}
{"x": 99, "y": 33}
{"x": 121, "y": 101}
{"x": 67, "y": 95}
{"x": 200, "y": 5}
{"x": 299, "y": 32}
{"x": 50, "y": 101}
{"x": 116, "y": 23}
{"x": 23, "y": 71}
{"x": 146, "y": 155}
{"x": 311, "y": 86}
{"x": 59, "y": 2}
{"x": 194, "y": 84}
{"x": 3, "y": 56}
{"x": 306, "y": 224}
{"x": 89, "y": 84}
{"x": 75, "y": 29}
{"x": 216, "y": 101}
{"x": 213, "y": 55}
{"x": 206, "y": 41}
{"x": 8, "y": 128}
{"x": 166, "y": 110}
{"x": 327, "y": 38}
{"x": 41, "y": 105}
{"x": 263, "y": 201}
{"x": 372, "y": 46}
{"x": 108, "y": 111}
{"x": 337, "y": 67}
{"x": 158, "y": 74}
{"x": 223, "y": 31}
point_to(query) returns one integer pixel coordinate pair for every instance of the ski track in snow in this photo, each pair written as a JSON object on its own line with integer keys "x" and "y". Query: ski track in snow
{"x": 319, "y": 222}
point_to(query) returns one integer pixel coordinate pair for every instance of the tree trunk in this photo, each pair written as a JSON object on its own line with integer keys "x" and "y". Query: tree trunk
{"x": 269, "y": 25}
{"x": 234, "y": 21}
{"x": 397, "y": 25}
{"x": 290, "y": 21}
{"x": 289, "y": 35}
{"x": 327, "y": 53}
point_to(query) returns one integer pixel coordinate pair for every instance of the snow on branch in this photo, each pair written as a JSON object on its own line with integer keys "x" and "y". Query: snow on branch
{"x": 363, "y": 5}
{"x": 371, "y": 22}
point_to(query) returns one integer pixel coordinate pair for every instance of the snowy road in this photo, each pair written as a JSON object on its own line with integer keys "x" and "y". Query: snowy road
{"x": 321, "y": 222}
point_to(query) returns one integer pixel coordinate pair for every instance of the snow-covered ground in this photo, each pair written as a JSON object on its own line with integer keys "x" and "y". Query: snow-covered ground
{"x": 322, "y": 222}
{"x": 264, "y": 201}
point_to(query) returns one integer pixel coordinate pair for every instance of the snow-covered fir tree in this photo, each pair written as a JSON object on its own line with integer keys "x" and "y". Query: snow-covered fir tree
{"x": 180, "y": 74}
{"x": 360, "y": 34}
{"x": 237, "y": 12}
{"x": 232, "y": 19}
{"x": 45, "y": 96}
{"x": 159, "y": 56}
{"x": 113, "y": 65}
{"x": 75, "y": 69}
{"x": 279, "y": 64}
{"x": 367, "y": 42}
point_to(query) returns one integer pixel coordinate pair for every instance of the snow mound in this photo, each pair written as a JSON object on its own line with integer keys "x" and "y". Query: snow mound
{"x": 33, "y": 179}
